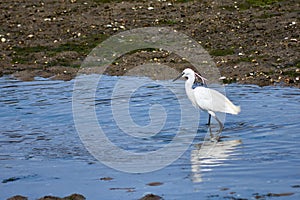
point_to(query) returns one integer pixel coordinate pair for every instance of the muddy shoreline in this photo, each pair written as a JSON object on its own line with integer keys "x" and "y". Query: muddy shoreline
{"x": 252, "y": 42}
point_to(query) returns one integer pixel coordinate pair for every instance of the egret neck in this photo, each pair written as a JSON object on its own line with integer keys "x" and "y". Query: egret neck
{"x": 189, "y": 89}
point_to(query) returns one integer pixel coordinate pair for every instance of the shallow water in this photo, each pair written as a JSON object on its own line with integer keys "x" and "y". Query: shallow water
{"x": 42, "y": 154}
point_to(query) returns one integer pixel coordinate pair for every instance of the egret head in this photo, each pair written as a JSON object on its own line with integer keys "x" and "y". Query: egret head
{"x": 187, "y": 73}
{"x": 190, "y": 74}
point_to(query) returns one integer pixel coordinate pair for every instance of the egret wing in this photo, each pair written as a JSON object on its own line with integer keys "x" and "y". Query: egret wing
{"x": 212, "y": 100}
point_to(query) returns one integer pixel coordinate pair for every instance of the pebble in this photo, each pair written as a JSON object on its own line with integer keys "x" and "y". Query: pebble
{"x": 3, "y": 40}
{"x": 293, "y": 40}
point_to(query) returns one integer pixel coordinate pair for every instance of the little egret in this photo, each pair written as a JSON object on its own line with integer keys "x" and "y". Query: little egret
{"x": 207, "y": 99}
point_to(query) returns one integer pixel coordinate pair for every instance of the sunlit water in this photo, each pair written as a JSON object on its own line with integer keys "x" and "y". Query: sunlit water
{"x": 42, "y": 154}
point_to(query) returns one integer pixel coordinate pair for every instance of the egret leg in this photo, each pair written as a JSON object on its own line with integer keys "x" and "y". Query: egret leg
{"x": 220, "y": 124}
{"x": 216, "y": 118}
{"x": 209, "y": 118}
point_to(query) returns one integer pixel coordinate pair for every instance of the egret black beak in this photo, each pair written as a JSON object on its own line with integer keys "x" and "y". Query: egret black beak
{"x": 178, "y": 77}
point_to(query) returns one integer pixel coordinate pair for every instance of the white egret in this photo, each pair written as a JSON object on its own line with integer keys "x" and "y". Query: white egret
{"x": 207, "y": 99}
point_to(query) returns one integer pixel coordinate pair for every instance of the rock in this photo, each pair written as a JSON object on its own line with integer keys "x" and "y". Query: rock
{"x": 17, "y": 197}
{"x": 151, "y": 197}
{"x": 74, "y": 197}
{"x": 71, "y": 197}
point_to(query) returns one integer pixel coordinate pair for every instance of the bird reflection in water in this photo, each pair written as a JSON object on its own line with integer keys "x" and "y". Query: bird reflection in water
{"x": 210, "y": 154}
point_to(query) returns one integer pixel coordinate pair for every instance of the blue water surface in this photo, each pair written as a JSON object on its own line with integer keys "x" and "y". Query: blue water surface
{"x": 42, "y": 154}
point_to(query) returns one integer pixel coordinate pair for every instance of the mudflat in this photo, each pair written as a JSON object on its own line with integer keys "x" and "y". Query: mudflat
{"x": 251, "y": 41}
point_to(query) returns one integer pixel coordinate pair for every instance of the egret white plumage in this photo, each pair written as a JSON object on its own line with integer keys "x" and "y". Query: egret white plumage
{"x": 207, "y": 99}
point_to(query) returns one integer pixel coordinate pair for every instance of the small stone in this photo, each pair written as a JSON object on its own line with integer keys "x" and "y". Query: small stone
{"x": 3, "y": 40}
{"x": 30, "y": 36}
{"x": 151, "y": 197}
{"x": 150, "y": 8}
{"x": 293, "y": 40}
